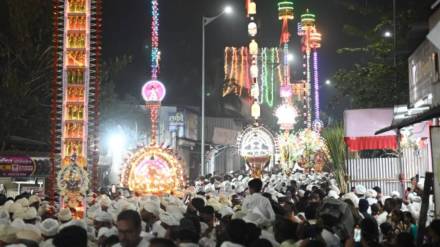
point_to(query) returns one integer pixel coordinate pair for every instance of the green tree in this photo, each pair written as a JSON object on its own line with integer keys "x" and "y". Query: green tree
{"x": 372, "y": 79}
{"x": 26, "y": 63}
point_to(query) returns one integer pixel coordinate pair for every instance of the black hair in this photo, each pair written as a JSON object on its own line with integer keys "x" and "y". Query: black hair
{"x": 207, "y": 210}
{"x": 311, "y": 211}
{"x": 405, "y": 239}
{"x": 370, "y": 230}
{"x": 256, "y": 184}
{"x": 188, "y": 236}
{"x": 71, "y": 236}
{"x": 435, "y": 226}
{"x": 253, "y": 233}
{"x": 375, "y": 208}
{"x": 377, "y": 189}
{"x": 315, "y": 243}
{"x": 162, "y": 242}
{"x": 198, "y": 203}
{"x": 132, "y": 216}
{"x": 386, "y": 228}
{"x": 284, "y": 230}
{"x": 261, "y": 242}
{"x": 236, "y": 231}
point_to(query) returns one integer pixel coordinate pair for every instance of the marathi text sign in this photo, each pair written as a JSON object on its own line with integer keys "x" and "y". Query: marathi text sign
{"x": 16, "y": 166}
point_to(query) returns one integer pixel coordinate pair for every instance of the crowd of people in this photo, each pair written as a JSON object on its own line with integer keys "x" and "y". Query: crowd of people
{"x": 298, "y": 210}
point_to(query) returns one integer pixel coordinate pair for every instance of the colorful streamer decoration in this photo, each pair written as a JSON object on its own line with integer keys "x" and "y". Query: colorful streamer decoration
{"x": 237, "y": 73}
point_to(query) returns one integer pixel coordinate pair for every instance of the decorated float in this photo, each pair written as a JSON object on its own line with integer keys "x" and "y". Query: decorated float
{"x": 153, "y": 170}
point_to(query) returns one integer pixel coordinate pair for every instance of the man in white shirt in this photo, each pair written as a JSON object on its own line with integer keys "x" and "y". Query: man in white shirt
{"x": 257, "y": 202}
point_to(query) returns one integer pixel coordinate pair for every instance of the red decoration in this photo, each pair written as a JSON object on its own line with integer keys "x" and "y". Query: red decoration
{"x": 371, "y": 142}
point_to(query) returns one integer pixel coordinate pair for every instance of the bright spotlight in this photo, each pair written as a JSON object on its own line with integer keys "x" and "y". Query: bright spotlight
{"x": 228, "y": 10}
{"x": 116, "y": 141}
{"x": 290, "y": 57}
{"x": 328, "y": 82}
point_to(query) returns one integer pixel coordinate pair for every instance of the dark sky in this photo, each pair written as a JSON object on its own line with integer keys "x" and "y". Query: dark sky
{"x": 127, "y": 31}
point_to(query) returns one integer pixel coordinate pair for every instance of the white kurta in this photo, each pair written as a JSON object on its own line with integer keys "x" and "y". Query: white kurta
{"x": 257, "y": 200}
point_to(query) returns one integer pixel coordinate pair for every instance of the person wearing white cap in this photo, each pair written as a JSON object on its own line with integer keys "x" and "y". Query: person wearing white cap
{"x": 395, "y": 194}
{"x": 150, "y": 212}
{"x": 30, "y": 215}
{"x": 105, "y": 202}
{"x": 166, "y": 220}
{"x": 102, "y": 219}
{"x": 48, "y": 228}
{"x": 64, "y": 215}
{"x": 360, "y": 190}
{"x": 14, "y": 207}
{"x": 34, "y": 201}
{"x": 333, "y": 194}
{"x": 29, "y": 233}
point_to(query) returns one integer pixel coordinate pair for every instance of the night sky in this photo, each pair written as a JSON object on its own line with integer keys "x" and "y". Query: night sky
{"x": 127, "y": 31}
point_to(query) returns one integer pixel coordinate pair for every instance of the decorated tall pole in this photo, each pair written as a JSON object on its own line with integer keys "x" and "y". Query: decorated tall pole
{"x": 311, "y": 42}
{"x": 153, "y": 169}
{"x": 286, "y": 113}
{"x": 75, "y": 99}
{"x": 315, "y": 40}
{"x": 253, "y": 52}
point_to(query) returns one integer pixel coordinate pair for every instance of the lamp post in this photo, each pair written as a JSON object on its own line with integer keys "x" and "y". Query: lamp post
{"x": 205, "y": 22}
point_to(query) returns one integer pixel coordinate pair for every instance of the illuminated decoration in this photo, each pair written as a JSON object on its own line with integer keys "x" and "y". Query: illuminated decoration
{"x": 285, "y": 10}
{"x": 252, "y": 29}
{"x": 253, "y": 52}
{"x": 253, "y": 48}
{"x": 75, "y": 100}
{"x": 313, "y": 149}
{"x": 238, "y": 71}
{"x": 311, "y": 41}
{"x": 286, "y": 115}
{"x": 153, "y": 91}
{"x": 155, "y": 53}
{"x": 286, "y": 91}
{"x": 257, "y": 146}
{"x": 255, "y": 110}
{"x": 252, "y": 8}
{"x": 305, "y": 148}
{"x": 73, "y": 180}
{"x": 153, "y": 170}
{"x": 290, "y": 151}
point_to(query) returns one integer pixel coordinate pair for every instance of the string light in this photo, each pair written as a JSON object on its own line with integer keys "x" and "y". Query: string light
{"x": 269, "y": 94}
{"x": 155, "y": 53}
{"x": 225, "y": 66}
{"x": 246, "y": 70}
{"x": 263, "y": 77}
{"x": 316, "y": 81}
{"x": 241, "y": 72}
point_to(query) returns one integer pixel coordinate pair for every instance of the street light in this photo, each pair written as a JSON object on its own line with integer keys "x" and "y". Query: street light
{"x": 228, "y": 10}
{"x": 328, "y": 82}
{"x": 387, "y": 34}
{"x": 290, "y": 57}
{"x": 205, "y": 21}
